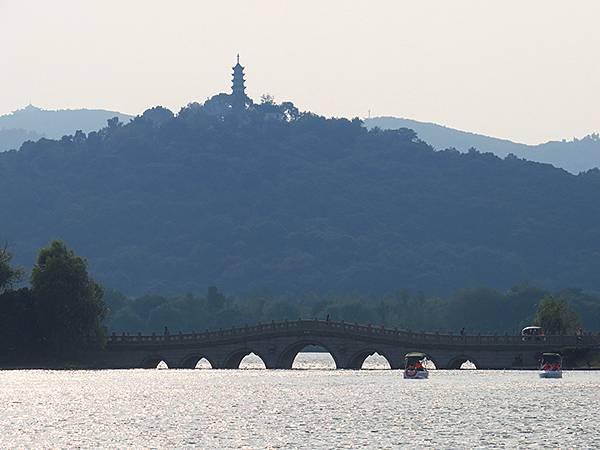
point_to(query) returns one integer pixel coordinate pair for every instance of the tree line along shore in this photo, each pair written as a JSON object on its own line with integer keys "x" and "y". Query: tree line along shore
{"x": 59, "y": 312}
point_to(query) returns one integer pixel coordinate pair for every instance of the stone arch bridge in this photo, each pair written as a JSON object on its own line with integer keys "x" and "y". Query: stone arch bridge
{"x": 277, "y": 344}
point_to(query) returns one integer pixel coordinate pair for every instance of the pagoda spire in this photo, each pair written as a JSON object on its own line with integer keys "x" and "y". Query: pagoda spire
{"x": 238, "y": 88}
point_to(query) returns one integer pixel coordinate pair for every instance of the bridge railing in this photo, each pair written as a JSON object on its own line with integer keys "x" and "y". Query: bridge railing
{"x": 353, "y": 329}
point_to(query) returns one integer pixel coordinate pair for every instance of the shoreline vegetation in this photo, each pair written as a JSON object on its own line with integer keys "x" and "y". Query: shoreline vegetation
{"x": 476, "y": 310}
{"x": 65, "y": 316}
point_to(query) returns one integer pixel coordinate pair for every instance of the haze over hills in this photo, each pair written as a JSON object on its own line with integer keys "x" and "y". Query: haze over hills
{"x": 250, "y": 196}
{"x": 32, "y": 123}
{"x": 577, "y": 155}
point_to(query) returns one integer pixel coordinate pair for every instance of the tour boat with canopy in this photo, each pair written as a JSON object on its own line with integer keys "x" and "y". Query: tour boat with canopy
{"x": 551, "y": 365}
{"x": 533, "y": 334}
{"x": 414, "y": 366}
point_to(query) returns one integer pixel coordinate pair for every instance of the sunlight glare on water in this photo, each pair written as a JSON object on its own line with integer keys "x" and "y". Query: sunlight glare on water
{"x": 309, "y": 408}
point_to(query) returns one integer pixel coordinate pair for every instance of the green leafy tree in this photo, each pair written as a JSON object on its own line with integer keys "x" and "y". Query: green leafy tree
{"x": 9, "y": 275}
{"x": 69, "y": 304}
{"x": 555, "y": 316}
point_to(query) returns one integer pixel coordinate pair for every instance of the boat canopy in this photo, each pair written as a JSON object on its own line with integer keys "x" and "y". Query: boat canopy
{"x": 551, "y": 358}
{"x": 415, "y": 355}
{"x": 532, "y": 331}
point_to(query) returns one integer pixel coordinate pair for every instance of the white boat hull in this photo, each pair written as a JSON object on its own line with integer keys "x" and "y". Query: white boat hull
{"x": 416, "y": 374}
{"x": 550, "y": 374}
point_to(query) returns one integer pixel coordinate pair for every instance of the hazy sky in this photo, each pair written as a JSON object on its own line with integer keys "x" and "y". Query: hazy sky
{"x": 521, "y": 69}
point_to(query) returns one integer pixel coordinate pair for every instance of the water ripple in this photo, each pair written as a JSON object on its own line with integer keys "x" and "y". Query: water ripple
{"x": 297, "y": 409}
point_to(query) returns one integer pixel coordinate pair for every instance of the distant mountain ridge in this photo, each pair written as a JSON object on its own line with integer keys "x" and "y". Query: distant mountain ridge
{"x": 32, "y": 123}
{"x": 574, "y": 156}
{"x": 578, "y": 155}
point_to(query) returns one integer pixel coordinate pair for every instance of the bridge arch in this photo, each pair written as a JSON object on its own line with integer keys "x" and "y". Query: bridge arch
{"x": 252, "y": 361}
{"x": 191, "y": 360}
{"x": 457, "y": 362}
{"x": 357, "y": 360}
{"x": 233, "y": 360}
{"x": 152, "y": 362}
{"x": 288, "y": 355}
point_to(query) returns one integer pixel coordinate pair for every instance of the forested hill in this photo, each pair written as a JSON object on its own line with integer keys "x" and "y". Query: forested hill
{"x": 577, "y": 155}
{"x": 273, "y": 199}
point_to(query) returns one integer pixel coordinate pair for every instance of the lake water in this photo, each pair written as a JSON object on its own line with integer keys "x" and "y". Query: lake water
{"x": 311, "y": 408}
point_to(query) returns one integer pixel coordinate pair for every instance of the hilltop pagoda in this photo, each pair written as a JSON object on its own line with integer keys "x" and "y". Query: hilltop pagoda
{"x": 238, "y": 89}
{"x": 237, "y": 102}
